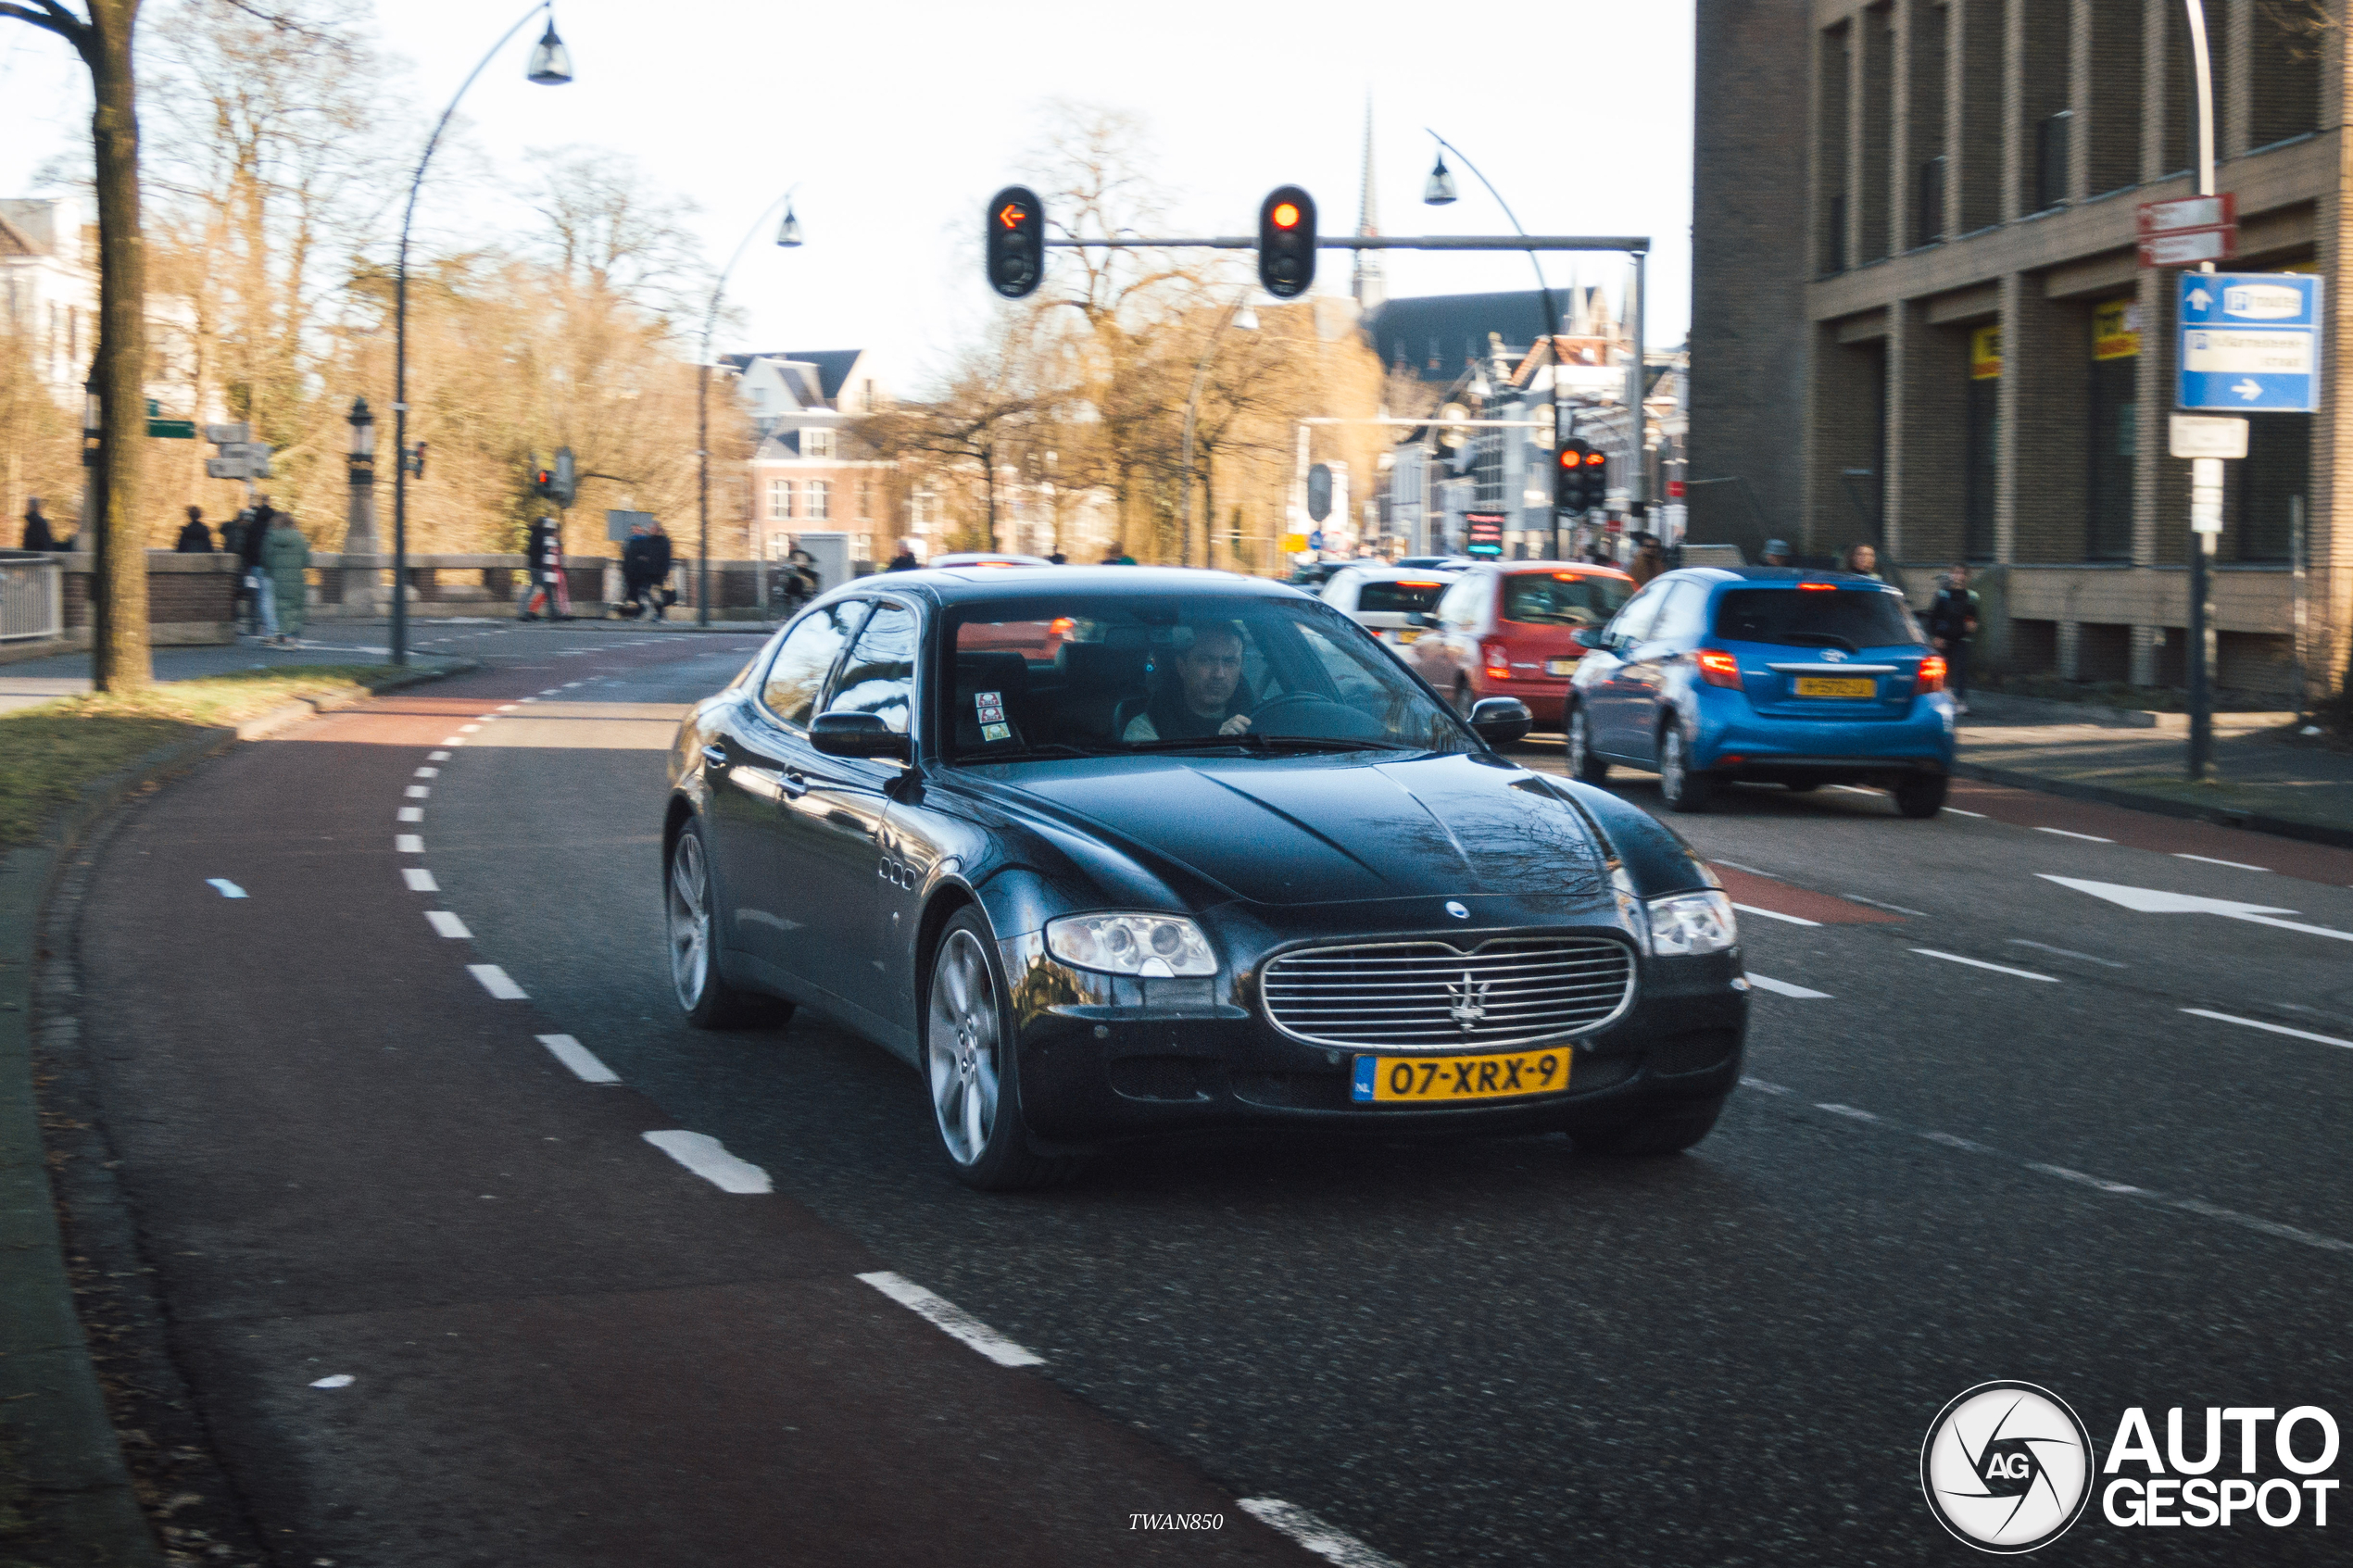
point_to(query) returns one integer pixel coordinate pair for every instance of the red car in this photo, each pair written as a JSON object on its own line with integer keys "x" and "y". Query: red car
{"x": 1503, "y": 630}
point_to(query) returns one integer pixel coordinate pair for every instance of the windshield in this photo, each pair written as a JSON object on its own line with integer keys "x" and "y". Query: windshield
{"x": 1563, "y": 598}
{"x": 1842, "y": 617}
{"x": 1373, "y": 598}
{"x": 1075, "y": 673}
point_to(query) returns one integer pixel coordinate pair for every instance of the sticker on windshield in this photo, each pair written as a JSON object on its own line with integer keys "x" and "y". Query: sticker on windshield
{"x": 989, "y": 707}
{"x": 996, "y": 731}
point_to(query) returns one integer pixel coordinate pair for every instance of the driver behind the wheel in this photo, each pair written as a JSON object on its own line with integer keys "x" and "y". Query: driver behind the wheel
{"x": 1208, "y": 696}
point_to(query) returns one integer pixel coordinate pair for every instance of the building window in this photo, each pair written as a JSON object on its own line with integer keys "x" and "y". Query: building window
{"x": 1980, "y": 462}
{"x": 866, "y": 493}
{"x": 820, "y": 500}
{"x": 779, "y": 499}
{"x": 2114, "y": 436}
{"x": 923, "y": 509}
{"x": 816, "y": 444}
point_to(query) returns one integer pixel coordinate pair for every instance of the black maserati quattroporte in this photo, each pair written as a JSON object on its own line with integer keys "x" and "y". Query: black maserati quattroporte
{"x": 1117, "y": 852}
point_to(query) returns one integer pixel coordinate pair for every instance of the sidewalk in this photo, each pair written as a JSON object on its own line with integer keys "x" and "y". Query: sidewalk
{"x": 2268, "y": 777}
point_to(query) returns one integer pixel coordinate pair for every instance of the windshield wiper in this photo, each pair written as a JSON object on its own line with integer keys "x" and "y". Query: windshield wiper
{"x": 1032, "y": 753}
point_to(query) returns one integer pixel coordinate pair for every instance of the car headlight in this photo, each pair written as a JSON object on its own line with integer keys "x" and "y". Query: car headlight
{"x": 1152, "y": 945}
{"x": 1691, "y": 922}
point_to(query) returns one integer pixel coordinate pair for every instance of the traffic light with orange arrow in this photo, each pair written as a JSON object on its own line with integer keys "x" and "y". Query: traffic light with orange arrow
{"x": 1016, "y": 224}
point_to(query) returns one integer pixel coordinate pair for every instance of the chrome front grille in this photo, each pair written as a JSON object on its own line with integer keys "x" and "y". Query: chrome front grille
{"x": 1433, "y": 995}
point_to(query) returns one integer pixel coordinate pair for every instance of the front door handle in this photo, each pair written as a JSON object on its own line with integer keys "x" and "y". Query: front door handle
{"x": 715, "y": 755}
{"x": 795, "y": 784}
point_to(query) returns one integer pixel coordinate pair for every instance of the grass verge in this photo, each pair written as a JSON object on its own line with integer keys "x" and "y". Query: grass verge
{"x": 48, "y": 752}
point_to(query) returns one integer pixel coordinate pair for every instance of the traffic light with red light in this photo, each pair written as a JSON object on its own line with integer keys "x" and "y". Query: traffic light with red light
{"x": 543, "y": 484}
{"x": 1580, "y": 476}
{"x": 1016, "y": 225}
{"x": 1286, "y": 241}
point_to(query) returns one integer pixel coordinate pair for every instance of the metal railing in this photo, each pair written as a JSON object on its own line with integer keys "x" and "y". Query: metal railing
{"x": 31, "y": 598}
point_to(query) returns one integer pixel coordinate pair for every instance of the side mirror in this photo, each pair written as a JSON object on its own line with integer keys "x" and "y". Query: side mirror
{"x": 1499, "y": 720}
{"x": 1418, "y": 617}
{"x": 845, "y": 734}
{"x": 1588, "y": 638}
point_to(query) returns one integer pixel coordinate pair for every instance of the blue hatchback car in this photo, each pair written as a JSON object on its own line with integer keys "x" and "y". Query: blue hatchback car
{"x": 1716, "y": 675}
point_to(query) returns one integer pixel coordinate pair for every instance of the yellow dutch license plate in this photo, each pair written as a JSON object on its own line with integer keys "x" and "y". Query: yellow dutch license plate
{"x": 1409, "y": 637}
{"x": 1825, "y": 686}
{"x": 1560, "y": 666}
{"x": 1433, "y": 1078}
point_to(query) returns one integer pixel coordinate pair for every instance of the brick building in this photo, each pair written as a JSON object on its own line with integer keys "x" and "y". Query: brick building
{"x": 1918, "y": 314}
{"x": 803, "y": 476}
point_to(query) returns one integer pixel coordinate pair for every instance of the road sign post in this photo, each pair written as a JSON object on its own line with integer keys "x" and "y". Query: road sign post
{"x": 2189, "y": 232}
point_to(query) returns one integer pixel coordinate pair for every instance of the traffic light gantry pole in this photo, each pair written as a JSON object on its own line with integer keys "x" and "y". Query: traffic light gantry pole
{"x": 1639, "y": 243}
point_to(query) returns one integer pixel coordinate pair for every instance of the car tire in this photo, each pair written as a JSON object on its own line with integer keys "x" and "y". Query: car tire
{"x": 703, "y": 995}
{"x": 1682, "y": 786}
{"x": 1583, "y": 765}
{"x": 1670, "y": 1130}
{"x": 971, "y": 1074}
{"x": 1922, "y": 795}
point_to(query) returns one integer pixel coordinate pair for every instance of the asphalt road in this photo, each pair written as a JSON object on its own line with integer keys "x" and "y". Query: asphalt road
{"x": 1996, "y": 1127}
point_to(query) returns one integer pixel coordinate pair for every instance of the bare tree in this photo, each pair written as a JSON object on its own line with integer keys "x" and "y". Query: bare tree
{"x": 606, "y": 226}
{"x": 102, "y": 36}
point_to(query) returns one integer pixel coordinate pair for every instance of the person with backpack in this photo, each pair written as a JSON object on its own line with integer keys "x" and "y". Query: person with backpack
{"x": 1952, "y": 622}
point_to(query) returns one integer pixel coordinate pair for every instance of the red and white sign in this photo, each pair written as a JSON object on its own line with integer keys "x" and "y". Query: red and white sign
{"x": 2189, "y": 230}
{"x": 1674, "y": 489}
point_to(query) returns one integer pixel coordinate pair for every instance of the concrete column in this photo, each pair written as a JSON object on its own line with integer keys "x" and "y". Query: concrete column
{"x": 2328, "y": 587}
{"x": 2039, "y": 492}
{"x": 2079, "y": 98}
{"x": 1927, "y": 436}
{"x": 2233, "y": 97}
{"x": 2018, "y": 139}
{"x": 2070, "y": 650}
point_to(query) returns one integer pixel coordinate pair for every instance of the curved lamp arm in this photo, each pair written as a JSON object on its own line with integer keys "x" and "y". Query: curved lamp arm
{"x": 1552, "y": 319}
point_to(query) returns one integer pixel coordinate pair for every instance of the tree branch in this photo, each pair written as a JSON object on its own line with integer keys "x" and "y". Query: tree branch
{"x": 53, "y": 18}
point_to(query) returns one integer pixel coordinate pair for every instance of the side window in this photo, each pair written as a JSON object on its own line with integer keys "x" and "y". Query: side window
{"x": 1682, "y": 621}
{"x": 1633, "y": 623}
{"x": 807, "y": 656}
{"x": 879, "y": 674}
{"x": 1458, "y": 606}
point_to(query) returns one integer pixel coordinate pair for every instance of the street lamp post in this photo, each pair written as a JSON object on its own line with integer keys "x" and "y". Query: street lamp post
{"x": 359, "y": 518}
{"x": 1239, "y": 316}
{"x": 787, "y": 238}
{"x": 2206, "y": 473}
{"x": 1438, "y": 191}
{"x": 550, "y": 67}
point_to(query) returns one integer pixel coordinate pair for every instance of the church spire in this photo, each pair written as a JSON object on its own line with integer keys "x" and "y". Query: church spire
{"x": 1367, "y": 284}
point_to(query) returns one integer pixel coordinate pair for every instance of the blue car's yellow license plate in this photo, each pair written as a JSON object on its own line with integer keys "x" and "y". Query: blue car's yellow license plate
{"x": 1849, "y": 686}
{"x": 1434, "y": 1078}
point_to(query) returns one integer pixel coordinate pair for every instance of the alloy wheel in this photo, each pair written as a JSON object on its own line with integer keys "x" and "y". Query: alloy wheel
{"x": 960, "y": 1046}
{"x": 689, "y": 911}
{"x": 1580, "y": 742}
{"x": 1673, "y": 772}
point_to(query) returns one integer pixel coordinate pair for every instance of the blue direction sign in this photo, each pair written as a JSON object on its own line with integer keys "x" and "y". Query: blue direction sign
{"x": 2251, "y": 341}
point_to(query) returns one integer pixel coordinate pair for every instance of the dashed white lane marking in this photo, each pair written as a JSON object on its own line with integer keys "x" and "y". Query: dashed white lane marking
{"x": 1981, "y": 963}
{"x": 338, "y": 1380}
{"x": 702, "y": 1154}
{"x": 2210, "y": 860}
{"x": 2065, "y": 952}
{"x": 551, "y": 690}
{"x": 568, "y": 684}
{"x": 453, "y": 740}
{"x": 1957, "y": 811}
{"x": 580, "y": 1058}
{"x": 1875, "y": 904}
{"x": 418, "y": 880}
{"x": 2098, "y": 1183}
{"x": 408, "y": 844}
{"x": 1750, "y": 870}
{"x": 2086, "y": 837}
{"x": 436, "y": 756}
{"x": 465, "y": 730}
{"x": 417, "y": 792}
{"x": 411, "y": 814}
{"x": 494, "y": 980}
{"x": 226, "y": 888}
{"x": 503, "y": 707}
{"x": 1775, "y": 914}
{"x": 428, "y": 773}
{"x": 2273, "y": 1028}
{"x": 447, "y": 925}
{"x": 526, "y": 699}
{"x": 1334, "y": 1546}
{"x": 950, "y": 1319}
{"x": 1855, "y": 789}
{"x": 1783, "y": 988}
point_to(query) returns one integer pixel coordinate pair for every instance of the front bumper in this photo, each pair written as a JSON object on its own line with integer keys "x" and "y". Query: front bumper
{"x": 1103, "y": 1061}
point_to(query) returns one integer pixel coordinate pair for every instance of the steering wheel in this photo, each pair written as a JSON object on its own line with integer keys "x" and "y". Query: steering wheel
{"x": 1313, "y": 717}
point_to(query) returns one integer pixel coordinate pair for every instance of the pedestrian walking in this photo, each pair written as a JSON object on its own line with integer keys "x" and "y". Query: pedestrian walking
{"x": 1862, "y": 560}
{"x": 1650, "y": 559}
{"x": 257, "y": 576}
{"x": 1952, "y": 623}
{"x": 36, "y": 528}
{"x": 905, "y": 560}
{"x": 286, "y": 554}
{"x": 543, "y": 554}
{"x": 194, "y": 539}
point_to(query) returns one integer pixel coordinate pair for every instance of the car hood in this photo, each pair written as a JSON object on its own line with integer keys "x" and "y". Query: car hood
{"x": 1323, "y": 828}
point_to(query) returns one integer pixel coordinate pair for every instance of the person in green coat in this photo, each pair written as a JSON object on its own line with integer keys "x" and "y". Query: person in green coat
{"x": 286, "y": 554}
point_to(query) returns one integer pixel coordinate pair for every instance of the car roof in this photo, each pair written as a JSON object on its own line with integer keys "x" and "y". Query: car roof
{"x": 1391, "y": 573}
{"x": 969, "y": 584}
{"x": 1778, "y": 577}
{"x": 1549, "y": 567}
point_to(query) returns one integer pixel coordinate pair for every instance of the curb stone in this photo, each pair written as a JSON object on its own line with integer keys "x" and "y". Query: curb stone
{"x": 2163, "y": 805}
{"x": 52, "y": 1412}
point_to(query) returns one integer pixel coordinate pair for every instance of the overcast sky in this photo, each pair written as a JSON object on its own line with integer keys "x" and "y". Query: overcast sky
{"x": 899, "y": 118}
